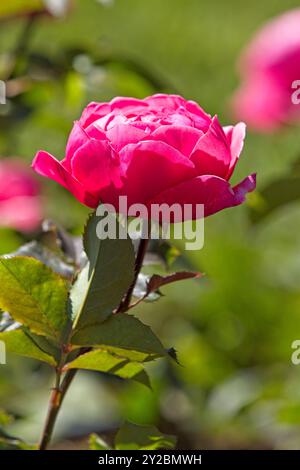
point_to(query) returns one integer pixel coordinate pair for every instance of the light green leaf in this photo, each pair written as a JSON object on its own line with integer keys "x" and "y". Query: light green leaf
{"x": 18, "y": 342}
{"x": 34, "y": 295}
{"x": 104, "y": 361}
{"x": 134, "y": 437}
{"x": 121, "y": 331}
{"x": 104, "y": 281}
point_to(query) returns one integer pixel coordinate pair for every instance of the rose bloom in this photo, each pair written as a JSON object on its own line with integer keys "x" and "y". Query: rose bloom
{"x": 269, "y": 66}
{"x": 20, "y": 201}
{"x": 162, "y": 149}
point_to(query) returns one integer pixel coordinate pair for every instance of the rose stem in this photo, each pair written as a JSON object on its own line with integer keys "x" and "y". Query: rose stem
{"x": 138, "y": 266}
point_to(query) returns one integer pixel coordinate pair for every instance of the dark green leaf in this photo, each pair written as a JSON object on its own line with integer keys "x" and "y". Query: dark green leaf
{"x": 103, "y": 282}
{"x": 121, "y": 331}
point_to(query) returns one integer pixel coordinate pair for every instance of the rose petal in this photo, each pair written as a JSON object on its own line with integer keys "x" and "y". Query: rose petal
{"x": 77, "y": 138}
{"x": 152, "y": 166}
{"x": 97, "y": 168}
{"x": 92, "y": 112}
{"x": 214, "y": 192}
{"x": 211, "y": 154}
{"x": 46, "y": 165}
{"x": 182, "y": 138}
{"x": 235, "y": 135}
{"x": 124, "y": 134}
{"x": 161, "y": 100}
{"x": 126, "y": 103}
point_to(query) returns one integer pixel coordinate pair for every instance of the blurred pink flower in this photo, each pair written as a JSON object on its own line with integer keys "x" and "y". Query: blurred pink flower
{"x": 162, "y": 149}
{"x": 20, "y": 202}
{"x": 269, "y": 66}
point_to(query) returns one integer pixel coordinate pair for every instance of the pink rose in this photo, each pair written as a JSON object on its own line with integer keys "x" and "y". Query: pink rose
{"x": 20, "y": 202}
{"x": 162, "y": 149}
{"x": 269, "y": 66}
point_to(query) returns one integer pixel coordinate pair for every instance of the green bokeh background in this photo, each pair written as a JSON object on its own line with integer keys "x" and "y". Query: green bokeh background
{"x": 236, "y": 386}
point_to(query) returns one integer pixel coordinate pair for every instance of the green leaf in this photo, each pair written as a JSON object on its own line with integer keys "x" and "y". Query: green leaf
{"x": 96, "y": 443}
{"x": 121, "y": 331}
{"x": 104, "y": 361}
{"x": 18, "y": 342}
{"x": 34, "y": 295}
{"x": 102, "y": 284}
{"x": 134, "y": 437}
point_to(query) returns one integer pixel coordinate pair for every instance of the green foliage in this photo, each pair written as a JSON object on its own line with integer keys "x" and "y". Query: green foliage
{"x": 19, "y": 342}
{"x": 121, "y": 331}
{"x": 134, "y": 437}
{"x": 104, "y": 281}
{"x": 104, "y": 361}
{"x": 34, "y": 295}
{"x": 37, "y": 324}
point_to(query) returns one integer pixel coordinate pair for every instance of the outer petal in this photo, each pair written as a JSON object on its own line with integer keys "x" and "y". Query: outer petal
{"x": 97, "y": 168}
{"x": 235, "y": 135}
{"x": 47, "y": 165}
{"x": 77, "y": 138}
{"x": 151, "y": 167}
{"x": 211, "y": 154}
{"x": 214, "y": 192}
{"x": 182, "y": 138}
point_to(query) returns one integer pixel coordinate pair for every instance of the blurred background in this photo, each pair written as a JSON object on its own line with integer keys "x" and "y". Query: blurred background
{"x": 236, "y": 386}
